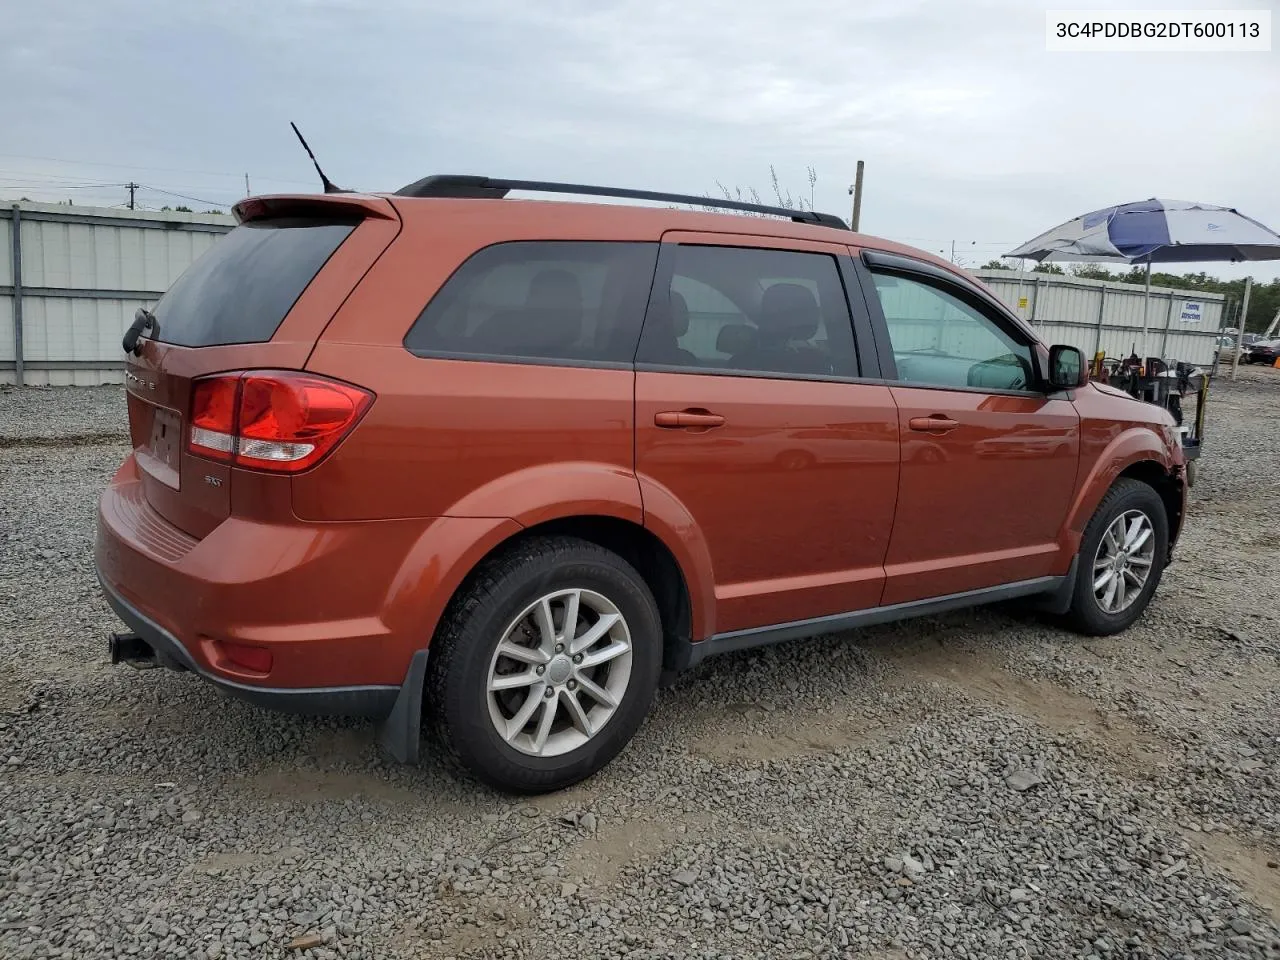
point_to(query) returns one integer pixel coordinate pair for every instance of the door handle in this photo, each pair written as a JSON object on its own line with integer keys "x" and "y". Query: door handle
{"x": 683, "y": 419}
{"x": 935, "y": 424}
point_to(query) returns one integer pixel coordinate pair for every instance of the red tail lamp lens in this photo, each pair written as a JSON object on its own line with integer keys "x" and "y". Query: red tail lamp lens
{"x": 213, "y": 412}
{"x": 285, "y": 421}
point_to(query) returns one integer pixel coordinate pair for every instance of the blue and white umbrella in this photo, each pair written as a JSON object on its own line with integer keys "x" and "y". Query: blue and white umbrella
{"x": 1156, "y": 231}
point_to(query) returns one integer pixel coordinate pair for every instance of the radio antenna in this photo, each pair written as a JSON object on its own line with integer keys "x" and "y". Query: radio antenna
{"x": 325, "y": 181}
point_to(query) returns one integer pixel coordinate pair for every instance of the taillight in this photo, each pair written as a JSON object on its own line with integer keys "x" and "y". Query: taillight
{"x": 275, "y": 420}
{"x": 213, "y": 416}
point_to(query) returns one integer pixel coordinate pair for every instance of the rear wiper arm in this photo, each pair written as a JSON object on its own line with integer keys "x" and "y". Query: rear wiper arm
{"x": 143, "y": 320}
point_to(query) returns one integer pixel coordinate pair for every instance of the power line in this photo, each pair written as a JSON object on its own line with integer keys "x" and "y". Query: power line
{"x": 183, "y": 196}
{"x": 49, "y": 177}
{"x": 60, "y": 186}
{"x": 127, "y": 166}
{"x": 132, "y": 185}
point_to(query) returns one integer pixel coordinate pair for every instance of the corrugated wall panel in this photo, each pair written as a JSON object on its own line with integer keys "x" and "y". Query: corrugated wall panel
{"x": 6, "y": 255}
{"x": 1066, "y": 310}
{"x": 1067, "y": 304}
{"x": 97, "y": 251}
{"x": 6, "y": 328}
{"x": 66, "y": 328}
{"x": 1191, "y": 349}
{"x": 98, "y": 257}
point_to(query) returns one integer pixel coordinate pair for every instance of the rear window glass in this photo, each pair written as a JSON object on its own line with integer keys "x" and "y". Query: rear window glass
{"x": 241, "y": 289}
{"x": 564, "y": 301}
{"x": 752, "y": 310}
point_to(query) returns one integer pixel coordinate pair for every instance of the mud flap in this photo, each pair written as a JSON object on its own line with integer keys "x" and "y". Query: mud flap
{"x": 1059, "y": 601}
{"x": 401, "y": 732}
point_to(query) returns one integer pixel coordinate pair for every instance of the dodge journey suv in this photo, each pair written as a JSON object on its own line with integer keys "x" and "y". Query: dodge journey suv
{"x": 498, "y": 466}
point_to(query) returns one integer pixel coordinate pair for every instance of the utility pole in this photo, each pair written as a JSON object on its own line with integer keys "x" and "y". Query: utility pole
{"x": 953, "y": 251}
{"x": 132, "y": 187}
{"x": 247, "y": 191}
{"x": 856, "y": 190}
{"x": 1244, "y": 318}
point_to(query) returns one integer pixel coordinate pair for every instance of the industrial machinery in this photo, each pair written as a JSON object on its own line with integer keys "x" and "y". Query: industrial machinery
{"x": 1153, "y": 380}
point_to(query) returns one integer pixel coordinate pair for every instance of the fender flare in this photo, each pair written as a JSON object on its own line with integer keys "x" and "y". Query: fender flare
{"x": 559, "y": 491}
{"x": 668, "y": 519}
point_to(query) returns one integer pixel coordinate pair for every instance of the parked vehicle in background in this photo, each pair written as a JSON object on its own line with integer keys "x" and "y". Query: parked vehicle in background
{"x": 1261, "y": 351}
{"x": 503, "y": 463}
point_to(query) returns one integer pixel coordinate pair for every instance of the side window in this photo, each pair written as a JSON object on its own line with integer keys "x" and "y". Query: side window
{"x": 939, "y": 339}
{"x": 555, "y": 300}
{"x": 751, "y": 310}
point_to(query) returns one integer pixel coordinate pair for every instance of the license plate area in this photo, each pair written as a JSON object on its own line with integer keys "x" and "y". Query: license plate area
{"x": 160, "y": 456}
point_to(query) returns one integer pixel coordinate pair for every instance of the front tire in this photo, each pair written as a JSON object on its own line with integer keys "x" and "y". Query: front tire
{"x": 545, "y": 665}
{"x": 1122, "y": 558}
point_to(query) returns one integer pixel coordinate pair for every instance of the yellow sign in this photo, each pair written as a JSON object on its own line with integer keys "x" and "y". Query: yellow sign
{"x": 1022, "y": 303}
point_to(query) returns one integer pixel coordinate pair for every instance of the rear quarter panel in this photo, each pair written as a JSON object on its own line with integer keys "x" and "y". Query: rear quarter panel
{"x": 525, "y": 440}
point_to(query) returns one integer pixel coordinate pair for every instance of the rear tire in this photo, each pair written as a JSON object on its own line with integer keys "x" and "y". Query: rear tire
{"x": 489, "y": 706}
{"x": 1126, "y": 541}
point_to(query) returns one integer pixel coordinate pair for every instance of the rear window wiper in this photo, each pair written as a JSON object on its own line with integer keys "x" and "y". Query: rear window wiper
{"x": 143, "y": 320}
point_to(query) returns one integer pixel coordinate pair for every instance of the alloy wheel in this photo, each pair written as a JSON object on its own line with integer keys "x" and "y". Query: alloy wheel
{"x": 559, "y": 672}
{"x": 1123, "y": 561}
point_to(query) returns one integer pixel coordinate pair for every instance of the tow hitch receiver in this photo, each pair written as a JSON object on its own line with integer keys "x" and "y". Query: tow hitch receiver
{"x": 131, "y": 649}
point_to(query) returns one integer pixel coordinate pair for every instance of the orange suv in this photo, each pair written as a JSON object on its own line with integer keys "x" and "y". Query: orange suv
{"x": 502, "y": 465}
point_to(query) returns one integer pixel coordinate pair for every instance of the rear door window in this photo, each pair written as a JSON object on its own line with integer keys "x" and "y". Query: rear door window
{"x": 567, "y": 302}
{"x": 751, "y": 310}
{"x": 242, "y": 288}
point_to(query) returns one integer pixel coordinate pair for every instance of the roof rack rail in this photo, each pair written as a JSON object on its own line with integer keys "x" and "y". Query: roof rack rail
{"x": 463, "y": 186}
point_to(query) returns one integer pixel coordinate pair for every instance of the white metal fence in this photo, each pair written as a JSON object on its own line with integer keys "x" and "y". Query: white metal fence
{"x": 72, "y": 277}
{"x": 1102, "y": 315}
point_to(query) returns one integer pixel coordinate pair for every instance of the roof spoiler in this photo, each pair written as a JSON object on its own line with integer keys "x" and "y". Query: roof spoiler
{"x": 488, "y": 188}
{"x": 331, "y": 204}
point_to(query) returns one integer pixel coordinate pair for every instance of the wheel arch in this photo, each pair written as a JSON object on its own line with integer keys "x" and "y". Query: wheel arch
{"x": 1168, "y": 484}
{"x": 1138, "y": 453}
{"x": 640, "y": 547}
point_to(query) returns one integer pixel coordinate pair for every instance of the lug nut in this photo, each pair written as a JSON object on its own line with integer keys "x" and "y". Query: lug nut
{"x": 577, "y": 658}
{"x": 559, "y": 648}
{"x": 549, "y": 693}
{"x": 541, "y": 670}
{"x": 573, "y": 684}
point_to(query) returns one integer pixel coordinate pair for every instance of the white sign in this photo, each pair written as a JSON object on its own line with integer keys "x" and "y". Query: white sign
{"x": 1192, "y": 312}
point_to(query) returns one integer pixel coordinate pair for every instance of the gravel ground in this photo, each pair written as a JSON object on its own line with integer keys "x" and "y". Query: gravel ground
{"x": 973, "y": 785}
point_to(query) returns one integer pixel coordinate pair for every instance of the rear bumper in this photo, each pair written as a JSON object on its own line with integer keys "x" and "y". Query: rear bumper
{"x": 345, "y": 609}
{"x": 368, "y": 701}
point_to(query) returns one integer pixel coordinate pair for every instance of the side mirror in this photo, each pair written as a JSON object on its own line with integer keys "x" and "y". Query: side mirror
{"x": 1067, "y": 368}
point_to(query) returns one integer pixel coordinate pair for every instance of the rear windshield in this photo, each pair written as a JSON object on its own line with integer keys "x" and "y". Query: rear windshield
{"x": 240, "y": 290}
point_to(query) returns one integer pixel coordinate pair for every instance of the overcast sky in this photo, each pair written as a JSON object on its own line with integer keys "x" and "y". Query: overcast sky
{"x": 971, "y": 131}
